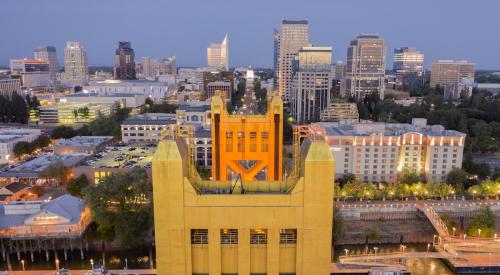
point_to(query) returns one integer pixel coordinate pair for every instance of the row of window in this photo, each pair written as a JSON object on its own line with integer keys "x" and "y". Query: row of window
{"x": 230, "y": 236}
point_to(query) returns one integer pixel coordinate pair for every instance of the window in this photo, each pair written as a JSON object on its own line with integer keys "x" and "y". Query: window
{"x": 288, "y": 236}
{"x": 229, "y": 236}
{"x": 258, "y": 236}
{"x": 241, "y": 141}
{"x": 265, "y": 141}
{"x": 199, "y": 236}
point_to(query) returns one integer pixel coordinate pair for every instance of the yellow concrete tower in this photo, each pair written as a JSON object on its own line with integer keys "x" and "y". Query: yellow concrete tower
{"x": 243, "y": 226}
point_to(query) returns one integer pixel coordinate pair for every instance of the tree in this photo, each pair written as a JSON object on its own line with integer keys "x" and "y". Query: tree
{"x": 121, "y": 206}
{"x": 457, "y": 178}
{"x": 338, "y": 222}
{"x": 76, "y": 186}
{"x": 63, "y": 132}
{"x": 56, "y": 171}
{"x": 41, "y": 142}
{"x": 22, "y": 148}
{"x": 410, "y": 177}
{"x": 483, "y": 220}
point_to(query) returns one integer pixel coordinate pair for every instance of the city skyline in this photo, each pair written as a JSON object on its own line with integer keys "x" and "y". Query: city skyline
{"x": 425, "y": 28}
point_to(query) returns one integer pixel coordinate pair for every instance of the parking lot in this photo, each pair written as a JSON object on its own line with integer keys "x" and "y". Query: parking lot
{"x": 123, "y": 157}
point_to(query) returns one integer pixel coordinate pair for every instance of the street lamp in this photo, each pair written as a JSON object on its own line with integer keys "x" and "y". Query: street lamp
{"x": 454, "y": 231}
{"x": 403, "y": 247}
{"x": 479, "y": 233}
{"x": 92, "y": 264}
{"x": 375, "y": 249}
{"x": 57, "y": 264}
{"x": 465, "y": 235}
{"x": 428, "y": 247}
{"x": 346, "y": 251}
{"x": 434, "y": 239}
{"x": 126, "y": 263}
{"x": 22, "y": 263}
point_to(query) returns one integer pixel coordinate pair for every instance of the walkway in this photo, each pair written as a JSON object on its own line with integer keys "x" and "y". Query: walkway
{"x": 85, "y": 272}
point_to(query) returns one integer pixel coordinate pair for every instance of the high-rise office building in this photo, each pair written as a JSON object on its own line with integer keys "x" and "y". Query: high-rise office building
{"x": 76, "y": 68}
{"x": 450, "y": 73}
{"x": 276, "y": 56}
{"x": 49, "y": 54}
{"x": 168, "y": 66}
{"x": 311, "y": 83}
{"x": 33, "y": 73}
{"x": 340, "y": 70}
{"x": 218, "y": 55}
{"x": 124, "y": 61}
{"x": 365, "y": 71}
{"x": 248, "y": 218}
{"x": 408, "y": 61}
{"x": 150, "y": 67}
{"x": 293, "y": 35}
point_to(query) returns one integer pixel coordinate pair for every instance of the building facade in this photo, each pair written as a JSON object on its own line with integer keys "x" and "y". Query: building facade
{"x": 311, "y": 83}
{"x": 293, "y": 35}
{"x": 450, "y": 73}
{"x": 124, "y": 61}
{"x": 218, "y": 55}
{"x": 365, "y": 72}
{"x": 48, "y": 54}
{"x": 10, "y": 136}
{"x": 154, "y": 89}
{"x": 340, "y": 112}
{"x": 10, "y": 86}
{"x": 71, "y": 113}
{"x": 219, "y": 87}
{"x": 407, "y": 60}
{"x": 251, "y": 227}
{"x": 383, "y": 152}
{"x": 146, "y": 128}
{"x": 76, "y": 68}
{"x": 33, "y": 73}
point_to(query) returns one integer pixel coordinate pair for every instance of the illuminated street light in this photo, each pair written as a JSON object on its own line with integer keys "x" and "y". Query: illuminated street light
{"x": 428, "y": 247}
{"x": 92, "y": 264}
{"x": 22, "y": 263}
{"x": 346, "y": 251}
{"x": 57, "y": 264}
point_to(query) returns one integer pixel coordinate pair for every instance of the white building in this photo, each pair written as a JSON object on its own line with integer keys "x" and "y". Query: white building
{"x": 10, "y": 136}
{"x": 218, "y": 55}
{"x": 76, "y": 68}
{"x": 197, "y": 113}
{"x": 122, "y": 99}
{"x": 152, "y": 89}
{"x": 34, "y": 73}
{"x": 146, "y": 128}
{"x": 383, "y": 152}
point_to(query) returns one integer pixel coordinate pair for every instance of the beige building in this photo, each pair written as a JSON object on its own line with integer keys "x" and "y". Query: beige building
{"x": 9, "y": 86}
{"x": 76, "y": 68}
{"x": 365, "y": 72}
{"x": 293, "y": 35}
{"x": 341, "y": 112}
{"x": 450, "y": 73}
{"x": 382, "y": 152}
{"x": 146, "y": 128}
{"x": 219, "y": 86}
{"x": 218, "y": 55}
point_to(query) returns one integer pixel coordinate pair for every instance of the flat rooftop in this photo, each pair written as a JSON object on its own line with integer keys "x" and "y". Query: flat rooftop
{"x": 93, "y": 94}
{"x": 150, "y": 119}
{"x": 33, "y": 166}
{"x": 201, "y": 106}
{"x": 89, "y": 141}
{"x": 387, "y": 129}
{"x": 122, "y": 157}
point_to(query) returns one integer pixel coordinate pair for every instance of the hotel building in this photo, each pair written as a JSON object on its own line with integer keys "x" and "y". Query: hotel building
{"x": 382, "y": 152}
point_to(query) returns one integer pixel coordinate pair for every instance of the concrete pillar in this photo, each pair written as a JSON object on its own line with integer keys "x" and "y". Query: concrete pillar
{"x": 243, "y": 251}
{"x": 273, "y": 251}
{"x": 214, "y": 253}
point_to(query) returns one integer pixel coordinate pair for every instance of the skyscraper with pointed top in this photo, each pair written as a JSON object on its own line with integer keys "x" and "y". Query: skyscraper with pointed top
{"x": 218, "y": 55}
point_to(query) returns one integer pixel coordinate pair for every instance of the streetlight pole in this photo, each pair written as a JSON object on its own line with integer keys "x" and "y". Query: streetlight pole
{"x": 92, "y": 264}
{"x": 22, "y": 263}
{"x": 346, "y": 251}
{"x": 454, "y": 231}
{"x": 57, "y": 264}
{"x": 126, "y": 263}
{"x": 478, "y": 233}
{"x": 428, "y": 247}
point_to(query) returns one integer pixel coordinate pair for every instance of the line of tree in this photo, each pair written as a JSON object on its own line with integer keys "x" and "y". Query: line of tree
{"x": 151, "y": 107}
{"x": 13, "y": 109}
{"x": 27, "y": 148}
{"x": 261, "y": 97}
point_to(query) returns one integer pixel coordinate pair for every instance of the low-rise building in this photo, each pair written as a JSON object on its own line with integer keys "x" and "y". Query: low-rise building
{"x": 10, "y": 136}
{"x": 197, "y": 113}
{"x": 124, "y": 100}
{"x": 383, "y": 152}
{"x": 81, "y": 144}
{"x": 146, "y": 128}
{"x": 62, "y": 217}
{"x": 15, "y": 191}
{"x": 71, "y": 113}
{"x": 149, "y": 88}
{"x": 30, "y": 171}
{"x": 341, "y": 112}
{"x": 33, "y": 73}
{"x": 219, "y": 87}
{"x": 114, "y": 160}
